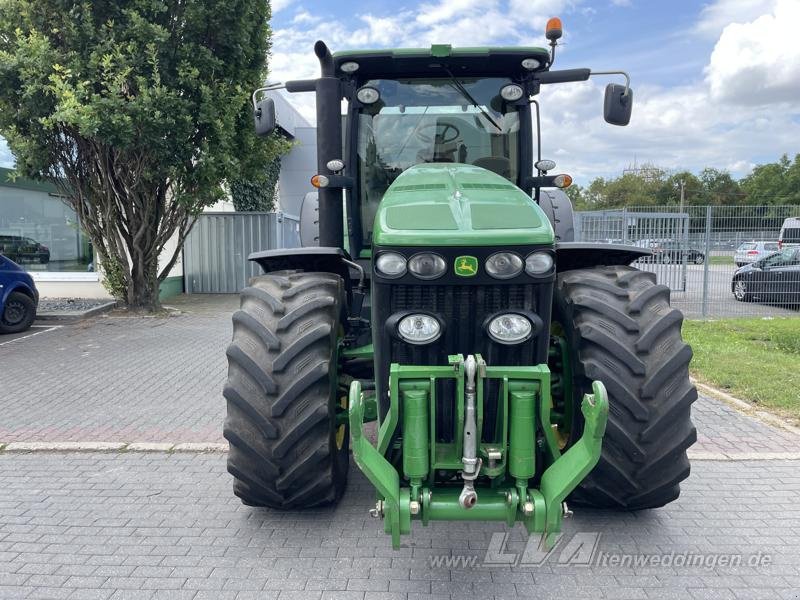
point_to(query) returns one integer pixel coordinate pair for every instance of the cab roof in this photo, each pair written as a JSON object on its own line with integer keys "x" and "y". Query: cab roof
{"x": 428, "y": 62}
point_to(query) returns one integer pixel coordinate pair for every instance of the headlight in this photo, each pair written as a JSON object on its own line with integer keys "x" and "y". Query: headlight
{"x": 504, "y": 265}
{"x": 427, "y": 265}
{"x": 538, "y": 263}
{"x": 419, "y": 329}
{"x": 512, "y": 92}
{"x": 391, "y": 264}
{"x": 368, "y": 95}
{"x": 510, "y": 328}
{"x": 530, "y": 64}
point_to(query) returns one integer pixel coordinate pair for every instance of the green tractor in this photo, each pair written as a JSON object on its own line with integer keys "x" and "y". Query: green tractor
{"x": 441, "y": 293}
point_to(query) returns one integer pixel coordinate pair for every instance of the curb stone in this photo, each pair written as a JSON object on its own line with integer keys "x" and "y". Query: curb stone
{"x": 166, "y": 447}
{"x": 78, "y": 315}
{"x": 222, "y": 448}
{"x": 64, "y": 446}
{"x": 746, "y": 407}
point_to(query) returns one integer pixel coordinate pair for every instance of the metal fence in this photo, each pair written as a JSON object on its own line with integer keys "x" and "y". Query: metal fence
{"x": 216, "y": 251}
{"x": 698, "y": 252}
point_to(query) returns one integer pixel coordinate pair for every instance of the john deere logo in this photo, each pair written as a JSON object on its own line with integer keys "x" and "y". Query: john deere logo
{"x": 466, "y": 266}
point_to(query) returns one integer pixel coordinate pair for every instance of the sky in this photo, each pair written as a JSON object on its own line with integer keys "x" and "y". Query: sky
{"x": 716, "y": 84}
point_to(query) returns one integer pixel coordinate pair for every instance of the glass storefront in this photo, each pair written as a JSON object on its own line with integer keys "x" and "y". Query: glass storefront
{"x": 38, "y": 230}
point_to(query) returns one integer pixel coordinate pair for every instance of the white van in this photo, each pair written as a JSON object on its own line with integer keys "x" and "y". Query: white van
{"x": 790, "y": 233}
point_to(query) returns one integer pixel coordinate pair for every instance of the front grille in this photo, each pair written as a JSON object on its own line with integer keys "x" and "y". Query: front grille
{"x": 464, "y": 309}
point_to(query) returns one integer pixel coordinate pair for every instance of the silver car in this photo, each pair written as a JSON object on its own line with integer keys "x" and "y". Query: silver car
{"x": 749, "y": 252}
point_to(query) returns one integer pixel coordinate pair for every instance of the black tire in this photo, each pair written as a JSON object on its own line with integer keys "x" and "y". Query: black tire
{"x": 282, "y": 392}
{"x": 699, "y": 259}
{"x": 621, "y": 330}
{"x": 18, "y": 313}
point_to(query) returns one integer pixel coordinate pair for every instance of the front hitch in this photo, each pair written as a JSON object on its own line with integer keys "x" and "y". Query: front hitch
{"x": 505, "y": 495}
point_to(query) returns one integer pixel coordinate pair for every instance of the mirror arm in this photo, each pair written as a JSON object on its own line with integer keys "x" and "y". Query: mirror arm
{"x": 623, "y": 73}
{"x": 277, "y": 85}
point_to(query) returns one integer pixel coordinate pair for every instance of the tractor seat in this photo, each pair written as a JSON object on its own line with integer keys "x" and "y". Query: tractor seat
{"x": 497, "y": 164}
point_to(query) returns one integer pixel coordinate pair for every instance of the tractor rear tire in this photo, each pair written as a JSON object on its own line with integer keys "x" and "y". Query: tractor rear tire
{"x": 286, "y": 449}
{"x": 621, "y": 330}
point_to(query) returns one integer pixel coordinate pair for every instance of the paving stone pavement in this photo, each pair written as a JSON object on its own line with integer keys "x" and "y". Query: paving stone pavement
{"x": 119, "y": 378}
{"x": 129, "y": 379}
{"x": 155, "y": 525}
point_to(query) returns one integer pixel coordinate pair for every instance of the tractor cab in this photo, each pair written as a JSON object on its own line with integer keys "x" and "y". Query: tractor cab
{"x": 413, "y": 106}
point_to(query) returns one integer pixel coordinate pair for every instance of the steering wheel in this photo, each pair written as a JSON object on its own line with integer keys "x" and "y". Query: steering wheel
{"x": 440, "y": 132}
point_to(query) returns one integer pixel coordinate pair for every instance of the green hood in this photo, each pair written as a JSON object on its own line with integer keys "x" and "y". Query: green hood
{"x": 446, "y": 204}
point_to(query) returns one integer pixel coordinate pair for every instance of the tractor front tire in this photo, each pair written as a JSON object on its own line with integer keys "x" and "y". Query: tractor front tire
{"x": 286, "y": 449}
{"x": 620, "y": 330}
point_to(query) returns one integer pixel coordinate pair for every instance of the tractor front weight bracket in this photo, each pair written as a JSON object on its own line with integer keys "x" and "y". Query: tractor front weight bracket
{"x": 494, "y": 472}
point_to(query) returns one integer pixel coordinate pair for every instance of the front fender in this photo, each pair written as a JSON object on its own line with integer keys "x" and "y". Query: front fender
{"x": 582, "y": 255}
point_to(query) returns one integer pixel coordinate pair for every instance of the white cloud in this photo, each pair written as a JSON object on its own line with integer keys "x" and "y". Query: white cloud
{"x": 719, "y": 14}
{"x": 446, "y": 10}
{"x": 687, "y": 127}
{"x": 506, "y": 22}
{"x": 758, "y": 62}
{"x": 278, "y": 5}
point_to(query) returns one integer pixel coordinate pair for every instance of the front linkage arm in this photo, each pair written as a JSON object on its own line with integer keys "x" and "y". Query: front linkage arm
{"x": 525, "y": 396}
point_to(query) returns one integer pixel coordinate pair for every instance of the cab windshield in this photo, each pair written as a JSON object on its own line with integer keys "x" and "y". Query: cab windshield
{"x": 432, "y": 120}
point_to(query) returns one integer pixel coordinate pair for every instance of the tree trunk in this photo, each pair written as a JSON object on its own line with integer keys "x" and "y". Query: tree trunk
{"x": 144, "y": 287}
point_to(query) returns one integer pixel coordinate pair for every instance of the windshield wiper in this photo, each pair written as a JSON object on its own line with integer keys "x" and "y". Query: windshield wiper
{"x": 464, "y": 92}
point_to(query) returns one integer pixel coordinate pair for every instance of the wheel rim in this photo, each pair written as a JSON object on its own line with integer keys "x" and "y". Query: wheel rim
{"x": 740, "y": 290}
{"x": 561, "y": 393}
{"x": 341, "y": 431}
{"x": 14, "y": 313}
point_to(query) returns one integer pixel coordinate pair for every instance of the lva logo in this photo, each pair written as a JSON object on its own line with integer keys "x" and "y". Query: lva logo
{"x": 580, "y": 549}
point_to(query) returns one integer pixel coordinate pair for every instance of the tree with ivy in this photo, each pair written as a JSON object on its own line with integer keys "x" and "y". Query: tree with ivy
{"x": 138, "y": 110}
{"x": 258, "y": 193}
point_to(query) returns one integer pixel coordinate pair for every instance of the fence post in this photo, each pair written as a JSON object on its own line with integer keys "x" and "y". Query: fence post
{"x": 706, "y": 261}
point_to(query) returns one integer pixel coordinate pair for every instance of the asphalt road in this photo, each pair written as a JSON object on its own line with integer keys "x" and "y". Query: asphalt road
{"x": 688, "y": 290}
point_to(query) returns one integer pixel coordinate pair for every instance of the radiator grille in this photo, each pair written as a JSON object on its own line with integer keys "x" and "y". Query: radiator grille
{"x": 464, "y": 310}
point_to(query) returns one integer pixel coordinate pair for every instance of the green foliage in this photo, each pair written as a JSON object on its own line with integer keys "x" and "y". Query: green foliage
{"x": 770, "y": 184}
{"x": 774, "y": 183}
{"x": 257, "y": 194}
{"x": 755, "y": 359}
{"x": 138, "y": 109}
{"x": 113, "y": 278}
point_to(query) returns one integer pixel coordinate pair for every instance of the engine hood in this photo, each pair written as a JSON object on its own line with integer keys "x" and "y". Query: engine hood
{"x": 446, "y": 204}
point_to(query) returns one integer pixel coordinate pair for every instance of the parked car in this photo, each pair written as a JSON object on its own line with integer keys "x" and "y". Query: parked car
{"x": 790, "y": 233}
{"x": 669, "y": 251}
{"x": 19, "y": 248}
{"x": 18, "y": 297}
{"x": 775, "y": 278}
{"x": 750, "y": 252}
{"x": 654, "y": 245}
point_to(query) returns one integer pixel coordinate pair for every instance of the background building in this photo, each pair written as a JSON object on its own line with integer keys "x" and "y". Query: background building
{"x": 42, "y": 233}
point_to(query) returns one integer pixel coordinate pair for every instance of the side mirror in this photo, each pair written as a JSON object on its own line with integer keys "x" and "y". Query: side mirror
{"x": 264, "y": 116}
{"x": 618, "y": 105}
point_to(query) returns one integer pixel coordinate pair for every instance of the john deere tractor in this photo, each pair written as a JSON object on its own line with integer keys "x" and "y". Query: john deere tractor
{"x": 441, "y": 294}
